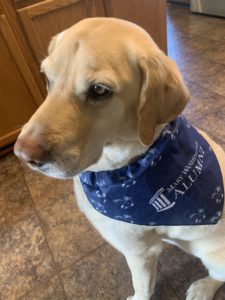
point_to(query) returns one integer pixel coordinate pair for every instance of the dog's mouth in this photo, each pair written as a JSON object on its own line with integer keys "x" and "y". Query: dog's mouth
{"x": 61, "y": 169}
{"x": 35, "y": 165}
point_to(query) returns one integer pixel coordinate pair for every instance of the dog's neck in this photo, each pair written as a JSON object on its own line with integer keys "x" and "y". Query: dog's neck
{"x": 121, "y": 152}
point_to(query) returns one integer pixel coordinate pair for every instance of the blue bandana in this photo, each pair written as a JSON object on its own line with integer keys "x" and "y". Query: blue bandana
{"x": 176, "y": 182}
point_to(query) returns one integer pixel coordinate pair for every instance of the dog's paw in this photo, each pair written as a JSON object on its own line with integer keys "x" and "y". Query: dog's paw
{"x": 202, "y": 289}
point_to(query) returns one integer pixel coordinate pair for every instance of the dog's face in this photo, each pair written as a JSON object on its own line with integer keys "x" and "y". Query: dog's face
{"x": 107, "y": 81}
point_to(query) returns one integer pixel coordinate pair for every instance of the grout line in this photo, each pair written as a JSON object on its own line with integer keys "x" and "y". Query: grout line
{"x": 168, "y": 282}
{"x": 39, "y": 209}
{"x": 10, "y": 225}
{"x": 34, "y": 213}
{"x": 178, "y": 296}
{"x": 37, "y": 288}
{"x": 52, "y": 256}
{"x": 26, "y": 214}
{"x": 83, "y": 257}
{"x": 37, "y": 212}
{"x": 24, "y": 178}
{"x": 57, "y": 269}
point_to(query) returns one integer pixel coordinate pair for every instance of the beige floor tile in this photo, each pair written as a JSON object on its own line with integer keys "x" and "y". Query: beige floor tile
{"x": 213, "y": 123}
{"x": 15, "y": 200}
{"x": 216, "y": 82}
{"x": 70, "y": 236}
{"x": 199, "y": 70}
{"x": 53, "y": 290}
{"x": 25, "y": 260}
{"x": 180, "y": 269}
{"x": 45, "y": 190}
{"x": 105, "y": 275}
{"x": 202, "y": 102}
{"x": 216, "y": 53}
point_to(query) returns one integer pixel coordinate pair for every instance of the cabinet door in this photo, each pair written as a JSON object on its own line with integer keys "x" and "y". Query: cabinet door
{"x": 43, "y": 20}
{"x": 19, "y": 94}
{"x": 149, "y": 14}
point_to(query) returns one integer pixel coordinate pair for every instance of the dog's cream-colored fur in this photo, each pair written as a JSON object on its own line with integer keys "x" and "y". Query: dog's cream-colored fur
{"x": 148, "y": 92}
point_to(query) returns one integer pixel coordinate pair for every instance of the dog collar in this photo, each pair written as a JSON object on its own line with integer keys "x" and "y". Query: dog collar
{"x": 178, "y": 181}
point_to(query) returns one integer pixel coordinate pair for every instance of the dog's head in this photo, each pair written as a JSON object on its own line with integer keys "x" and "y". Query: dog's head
{"x": 107, "y": 81}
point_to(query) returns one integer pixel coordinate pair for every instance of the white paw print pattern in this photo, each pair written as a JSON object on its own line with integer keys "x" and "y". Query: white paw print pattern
{"x": 100, "y": 194}
{"x": 217, "y": 216}
{"x": 199, "y": 216}
{"x": 125, "y": 203}
{"x": 156, "y": 157}
{"x": 99, "y": 206}
{"x": 172, "y": 133}
{"x": 218, "y": 195}
{"x": 101, "y": 182}
{"x": 128, "y": 184}
{"x": 152, "y": 158}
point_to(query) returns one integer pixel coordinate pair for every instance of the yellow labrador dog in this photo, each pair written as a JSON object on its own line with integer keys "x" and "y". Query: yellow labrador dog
{"x": 111, "y": 92}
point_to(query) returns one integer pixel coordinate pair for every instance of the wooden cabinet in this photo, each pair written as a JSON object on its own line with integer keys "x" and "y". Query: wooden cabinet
{"x": 45, "y": 19}
{"x": 26, "y": 27}
{"x": 149, "y": 14}
{"x": 19, "y": 94}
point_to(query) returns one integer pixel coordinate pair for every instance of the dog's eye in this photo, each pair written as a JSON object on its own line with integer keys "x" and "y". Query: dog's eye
{"x": 99, "y": 91}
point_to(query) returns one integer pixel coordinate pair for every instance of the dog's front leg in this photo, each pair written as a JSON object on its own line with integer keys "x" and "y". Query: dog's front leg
{"x": 143, "y": 271}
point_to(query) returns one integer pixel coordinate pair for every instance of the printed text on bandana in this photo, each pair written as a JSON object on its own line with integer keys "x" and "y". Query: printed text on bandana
{"x": 187, "y": 177}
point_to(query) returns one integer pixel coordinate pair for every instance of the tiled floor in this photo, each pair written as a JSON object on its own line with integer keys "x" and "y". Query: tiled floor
{"x": 47, "y": 248}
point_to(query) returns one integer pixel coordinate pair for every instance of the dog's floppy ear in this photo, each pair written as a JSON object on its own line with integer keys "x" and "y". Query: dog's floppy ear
{"x": 163, "y": 94}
